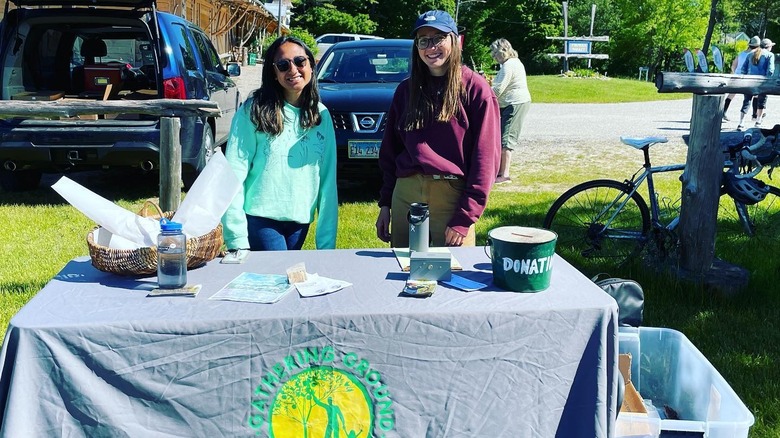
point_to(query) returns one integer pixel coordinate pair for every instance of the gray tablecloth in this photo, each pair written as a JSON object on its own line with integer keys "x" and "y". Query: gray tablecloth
{"x": 92, "y": 355}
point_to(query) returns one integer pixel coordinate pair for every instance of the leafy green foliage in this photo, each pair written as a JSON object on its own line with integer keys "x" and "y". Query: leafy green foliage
{"x": 327, "y": 19}
{"x": 299, "y": 33}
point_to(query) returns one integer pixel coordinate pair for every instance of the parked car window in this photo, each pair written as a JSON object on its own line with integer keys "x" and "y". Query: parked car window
{"x": 207, "y": 52}
{"x": 187, "y": 51}
{"x": 365, "y": 64}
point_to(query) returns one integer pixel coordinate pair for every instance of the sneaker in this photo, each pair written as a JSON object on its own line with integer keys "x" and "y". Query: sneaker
{"x": 726, "y": 119}
{"x": 740, "y": 127}
{"x": 503, "y": 179}
{"x": 758, "y": 124}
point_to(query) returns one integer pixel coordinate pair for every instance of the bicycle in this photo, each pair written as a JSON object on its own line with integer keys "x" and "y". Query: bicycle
{"x": 607, "y": 221}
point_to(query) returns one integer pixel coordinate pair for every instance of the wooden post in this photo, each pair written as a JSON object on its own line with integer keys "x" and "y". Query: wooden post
{"x": 701, "y": 186}
{"x": 170, "y": 163}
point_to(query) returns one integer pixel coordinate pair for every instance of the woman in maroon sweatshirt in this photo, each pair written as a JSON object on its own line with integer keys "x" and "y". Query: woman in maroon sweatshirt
{"x": 442, "y": 144}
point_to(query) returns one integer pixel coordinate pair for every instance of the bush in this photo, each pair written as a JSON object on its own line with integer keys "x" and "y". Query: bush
{"x": 301, "y": 34}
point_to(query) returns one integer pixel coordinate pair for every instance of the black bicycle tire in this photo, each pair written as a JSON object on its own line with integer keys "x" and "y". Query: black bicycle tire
{"x": 572, "y": 244}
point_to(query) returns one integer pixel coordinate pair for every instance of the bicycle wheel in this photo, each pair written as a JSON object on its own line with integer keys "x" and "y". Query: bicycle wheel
{"x": 599, "y": 222}
{"x": 760, "y": 221}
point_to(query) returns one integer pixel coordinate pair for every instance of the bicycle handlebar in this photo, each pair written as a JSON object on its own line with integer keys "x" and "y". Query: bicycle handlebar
{"x": 747, "y": 154}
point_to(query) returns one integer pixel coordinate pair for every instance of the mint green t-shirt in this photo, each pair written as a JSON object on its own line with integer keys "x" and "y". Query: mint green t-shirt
{"x": 286, "y": 178}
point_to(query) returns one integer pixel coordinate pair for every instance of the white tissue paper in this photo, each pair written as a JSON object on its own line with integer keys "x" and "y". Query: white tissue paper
{"x": 199, "y": 213}
{"x": 208, "y": 198}
{"x": 139, "y": 231}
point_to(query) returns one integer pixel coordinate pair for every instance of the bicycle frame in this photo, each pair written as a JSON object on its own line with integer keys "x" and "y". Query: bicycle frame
{"x": 634, "y": 183}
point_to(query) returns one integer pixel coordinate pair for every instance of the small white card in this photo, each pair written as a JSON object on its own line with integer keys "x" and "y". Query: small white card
{"x": 316, "y": 285}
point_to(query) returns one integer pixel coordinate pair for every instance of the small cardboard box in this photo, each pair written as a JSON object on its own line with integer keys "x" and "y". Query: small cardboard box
{"x": 43, "y": 95}
{"x": 634, "y": 421}
{"x": 430, "y": 266}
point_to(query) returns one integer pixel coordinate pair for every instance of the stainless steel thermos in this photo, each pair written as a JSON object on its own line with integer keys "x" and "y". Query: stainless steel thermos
{"x": 419, "y": 234}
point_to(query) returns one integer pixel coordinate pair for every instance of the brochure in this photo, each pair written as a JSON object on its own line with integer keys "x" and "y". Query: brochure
{"x": 255, "y": 288}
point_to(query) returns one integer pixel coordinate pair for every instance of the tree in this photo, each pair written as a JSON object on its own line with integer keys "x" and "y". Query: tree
{"x": 524, "y": 24}
{"x": 327, "y": 18}
{"x": 654, "y": 33}
{"x": 398, "y": 16}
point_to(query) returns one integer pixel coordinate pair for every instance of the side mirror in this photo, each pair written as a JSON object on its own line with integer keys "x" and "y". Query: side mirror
{"x": 234, "y": 69}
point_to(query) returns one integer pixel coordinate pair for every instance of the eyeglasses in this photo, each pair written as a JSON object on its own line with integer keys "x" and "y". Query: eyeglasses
{"x": 434, "y": 41}
{"x": 284, "y": 64}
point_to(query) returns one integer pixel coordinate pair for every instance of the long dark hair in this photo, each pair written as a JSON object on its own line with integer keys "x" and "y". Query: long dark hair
{"x": 421, "y": 107}
{"x": 267, "y": 108}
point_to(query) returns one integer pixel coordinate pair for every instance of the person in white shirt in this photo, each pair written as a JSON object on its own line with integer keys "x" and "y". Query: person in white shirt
{"x": 514, "y": 99}
{"x": 735, "y": 65}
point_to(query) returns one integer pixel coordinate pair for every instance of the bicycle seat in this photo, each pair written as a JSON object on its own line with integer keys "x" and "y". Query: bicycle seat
{"x": 641, "y": 142}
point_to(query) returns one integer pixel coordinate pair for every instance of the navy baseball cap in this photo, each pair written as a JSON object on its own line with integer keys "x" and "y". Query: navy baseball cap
{"x": 436, "y": 19}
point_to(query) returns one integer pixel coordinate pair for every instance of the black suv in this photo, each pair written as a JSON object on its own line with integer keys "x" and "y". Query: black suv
{"x": 357, "y": 82}
{"x": 111, "y": 49}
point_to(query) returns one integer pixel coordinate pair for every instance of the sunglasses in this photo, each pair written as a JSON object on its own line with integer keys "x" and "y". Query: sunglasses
{"x": 426, "y": 42}
{"x": 284, "y": 64}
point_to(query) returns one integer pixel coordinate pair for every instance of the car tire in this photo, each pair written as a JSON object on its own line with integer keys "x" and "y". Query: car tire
{"x": 19, "y": 180}
{"x": 205, "y": 152}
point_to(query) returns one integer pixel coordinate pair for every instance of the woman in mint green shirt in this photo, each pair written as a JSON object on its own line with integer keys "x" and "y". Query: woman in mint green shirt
{"x": 282, "y": 147}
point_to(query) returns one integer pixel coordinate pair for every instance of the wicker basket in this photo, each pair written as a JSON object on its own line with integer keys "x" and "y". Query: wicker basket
{"x": 143, "y": 261}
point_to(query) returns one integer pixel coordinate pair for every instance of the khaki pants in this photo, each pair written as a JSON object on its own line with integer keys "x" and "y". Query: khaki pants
{"x": 442, "y": 196}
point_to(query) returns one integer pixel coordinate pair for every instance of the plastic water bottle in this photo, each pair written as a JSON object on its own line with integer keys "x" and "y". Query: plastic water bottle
{"x": 171, "y": 256}
{"x": 419, "y": 234}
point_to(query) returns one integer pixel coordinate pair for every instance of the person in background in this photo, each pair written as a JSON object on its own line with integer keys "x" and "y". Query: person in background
{"x": 514, "y": 100}
{"x": 758, "y": 62}
{"x": 282, "y": 147}
{"x": 766, "y": 44}
{"x": 442, "y": 142}
{"x": 736, "y": 64}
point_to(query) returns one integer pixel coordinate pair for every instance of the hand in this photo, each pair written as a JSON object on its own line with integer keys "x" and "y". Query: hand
{"x": 383, "y": 224}
{"x": 453, "y": 238}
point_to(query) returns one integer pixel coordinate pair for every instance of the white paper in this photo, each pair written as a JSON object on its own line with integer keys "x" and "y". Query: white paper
{"x": 208, "y": 198}
{"x": 316, "y": 285}
{"x": 103, "y": 237}
{"x": 141, "y": 231}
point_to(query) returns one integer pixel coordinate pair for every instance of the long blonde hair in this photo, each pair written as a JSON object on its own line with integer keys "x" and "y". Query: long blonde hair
{"x": 756, "y": 55}
{"x": 421, "y": 107}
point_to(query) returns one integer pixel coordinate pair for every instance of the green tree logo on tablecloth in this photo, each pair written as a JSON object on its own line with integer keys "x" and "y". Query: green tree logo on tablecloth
{"x": 321, "y": 402}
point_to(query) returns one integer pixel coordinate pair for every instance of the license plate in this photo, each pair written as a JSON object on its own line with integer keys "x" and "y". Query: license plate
{"x": 363, "y": 148}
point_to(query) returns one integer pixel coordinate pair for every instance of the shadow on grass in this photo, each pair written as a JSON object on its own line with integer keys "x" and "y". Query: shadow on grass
{"x": 359, "y": 191}
{"x": 115, "y": 184}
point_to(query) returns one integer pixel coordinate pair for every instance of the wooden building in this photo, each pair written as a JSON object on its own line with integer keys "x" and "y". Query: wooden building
{"x": 232, "y": 24}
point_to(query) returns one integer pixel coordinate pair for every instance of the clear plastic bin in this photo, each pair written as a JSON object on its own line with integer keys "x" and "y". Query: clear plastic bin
{"x": 636, "y": 425}
{"x": 667, "y": 369}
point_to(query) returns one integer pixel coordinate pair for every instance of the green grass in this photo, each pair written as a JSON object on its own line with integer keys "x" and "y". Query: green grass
{"x": 738, "y": 334}
{"x": 560, "y": 89}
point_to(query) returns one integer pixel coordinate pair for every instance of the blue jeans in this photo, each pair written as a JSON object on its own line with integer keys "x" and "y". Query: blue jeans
{"x": 272, "y": 235}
